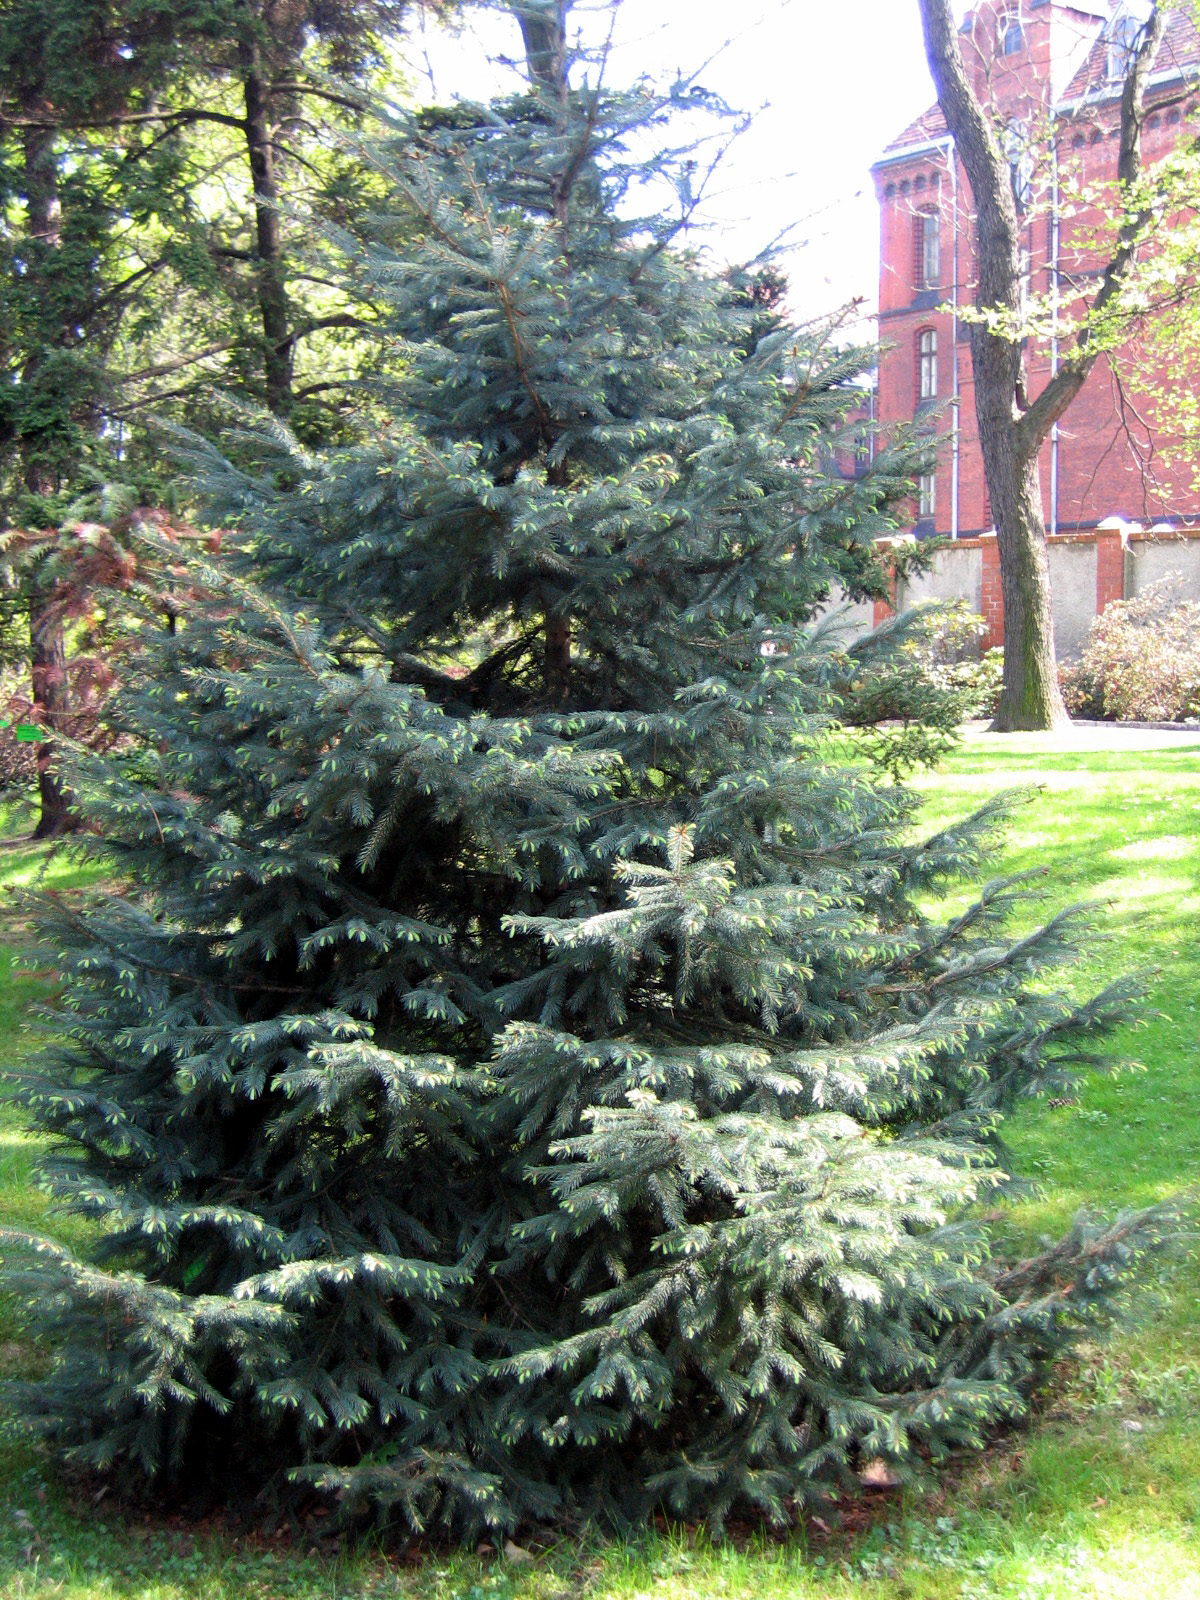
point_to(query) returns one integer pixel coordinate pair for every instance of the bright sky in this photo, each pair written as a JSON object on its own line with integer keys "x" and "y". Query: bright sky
{"x": 831, "y": 83}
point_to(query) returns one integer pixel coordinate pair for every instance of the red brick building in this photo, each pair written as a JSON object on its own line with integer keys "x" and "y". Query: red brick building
{"x": 1053, "y": 71}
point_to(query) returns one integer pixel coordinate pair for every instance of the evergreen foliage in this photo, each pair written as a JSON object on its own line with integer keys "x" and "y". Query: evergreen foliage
{"x": 518, "y": 1079}
{"x": 161, "y": 170}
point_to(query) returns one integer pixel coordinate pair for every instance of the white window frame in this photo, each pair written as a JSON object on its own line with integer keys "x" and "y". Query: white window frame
{"x": 931, "y": 249}
{"x": 1124, "y": 35}
{"x": 926, "y": 496}
{"x": 927, "y": 364}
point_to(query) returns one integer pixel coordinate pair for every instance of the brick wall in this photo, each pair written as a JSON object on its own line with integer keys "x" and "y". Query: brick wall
{"x": 991, "y": 598}
{"x": 1110, "y": 569}
{"x": 1113, "y": 454}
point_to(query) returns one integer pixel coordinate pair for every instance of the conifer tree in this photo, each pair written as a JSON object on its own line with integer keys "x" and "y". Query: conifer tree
{"x": 518, "y": 1078}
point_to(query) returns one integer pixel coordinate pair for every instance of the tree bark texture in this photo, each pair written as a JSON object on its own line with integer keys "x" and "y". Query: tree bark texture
{"x": 1011, "y": 429}
{"x": 1030, "y": 697}
{"x": 47, "y": 649}
{"x": 274, "y": 310}
{"x": 51, "y": 702}
{"x": 544, "y": 34}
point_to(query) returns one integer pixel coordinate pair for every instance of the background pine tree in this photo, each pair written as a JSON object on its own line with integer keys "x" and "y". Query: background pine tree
{"x": 519, "y": 1078}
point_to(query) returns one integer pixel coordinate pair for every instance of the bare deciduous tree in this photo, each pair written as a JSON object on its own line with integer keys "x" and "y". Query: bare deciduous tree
{"x": 1012, "y": 424}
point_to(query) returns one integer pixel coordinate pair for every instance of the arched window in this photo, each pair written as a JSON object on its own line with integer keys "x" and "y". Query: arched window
{"x": 1011, "y": 36}
{"x": 927, "y": 361}
{"x": 927, "y": 250}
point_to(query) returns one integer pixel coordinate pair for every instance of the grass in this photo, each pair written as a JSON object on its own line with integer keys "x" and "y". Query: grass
{"x": 1101, "y": 1497}
{"x": 23, "y": 866}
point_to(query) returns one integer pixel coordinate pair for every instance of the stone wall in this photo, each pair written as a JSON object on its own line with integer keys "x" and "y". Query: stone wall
{"x": 1087, "y": 572}
{"x": 1148, "y": 559}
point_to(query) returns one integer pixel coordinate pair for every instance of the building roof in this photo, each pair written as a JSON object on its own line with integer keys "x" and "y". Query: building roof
{"x": 928, "y": 126}
{"x": 1178, "y": 55}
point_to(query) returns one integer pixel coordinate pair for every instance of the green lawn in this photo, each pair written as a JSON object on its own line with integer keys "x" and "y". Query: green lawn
{"x": 1101, "y": 1497}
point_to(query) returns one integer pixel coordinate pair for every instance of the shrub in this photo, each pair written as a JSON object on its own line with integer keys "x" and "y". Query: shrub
{"x": 946, "y": 650}
{"x": 1142, "y": 659}
{"x": 18, "y": 759}
{"x": 916, "y": 679}
{"x": 976, "y": 679}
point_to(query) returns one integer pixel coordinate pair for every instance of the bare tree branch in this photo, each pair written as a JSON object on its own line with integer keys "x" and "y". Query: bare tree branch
{"x": 188, "y": 360}
{"x": 1071, "y": 376}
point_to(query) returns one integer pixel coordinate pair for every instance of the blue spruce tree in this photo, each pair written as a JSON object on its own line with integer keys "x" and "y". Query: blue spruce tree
{"x": 518, "y": 1078}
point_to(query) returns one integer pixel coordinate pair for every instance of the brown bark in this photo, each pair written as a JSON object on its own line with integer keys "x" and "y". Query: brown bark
{"x": 51, "y": 700}
{"x": 1011, "y": 430}
{"x": 41, "y": 187}
{"x": 47, "y": 649}
{"x": 272, "y": 283}
{"x": 558, "y": 656}
{"x": 1030, "y": 697}
{"x": 544, "y": 34}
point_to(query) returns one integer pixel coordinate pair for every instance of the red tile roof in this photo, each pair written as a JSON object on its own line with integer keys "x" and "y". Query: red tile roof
{"x": 1179, "y": 52}
{"x": 929, "y": 125}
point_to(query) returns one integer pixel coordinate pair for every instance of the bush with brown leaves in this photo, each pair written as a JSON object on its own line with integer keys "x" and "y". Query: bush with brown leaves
{"x": 1141, "y": 662}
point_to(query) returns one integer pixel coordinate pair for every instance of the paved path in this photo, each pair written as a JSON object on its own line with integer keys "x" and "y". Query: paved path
{"x": 1082, "y": 736}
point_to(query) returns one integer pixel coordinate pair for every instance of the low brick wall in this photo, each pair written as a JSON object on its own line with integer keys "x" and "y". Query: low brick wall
{"x": 1088, "y": 571}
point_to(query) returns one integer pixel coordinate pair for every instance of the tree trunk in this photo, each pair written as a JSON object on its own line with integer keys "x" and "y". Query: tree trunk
{"x": 47, "y": 648}
{"x": 1011, "y": 430}
{"x": 558, "y": 657}
{"x": 1030, "y": 697}
{"x": 544, "y": 35}
{"x": 51, "y": 700}
{"x": 272, "y": 285}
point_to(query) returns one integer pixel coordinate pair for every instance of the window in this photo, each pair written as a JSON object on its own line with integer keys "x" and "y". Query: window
{"x": 927, "y": 385}
{"x": 1011, "y": 36}
{"x": 1020, "y": 164}
{"x": 928, "y": 250}
{"x": 926, "y": 495}
{"x": 1124, "y": 36}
